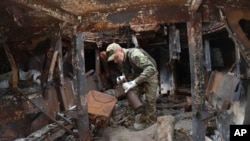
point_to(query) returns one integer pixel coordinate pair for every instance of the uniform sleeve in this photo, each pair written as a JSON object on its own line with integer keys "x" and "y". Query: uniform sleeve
{"x": 143, "y": 62}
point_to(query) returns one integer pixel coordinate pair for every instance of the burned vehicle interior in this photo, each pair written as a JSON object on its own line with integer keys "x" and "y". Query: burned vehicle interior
{"x": 52, "y": 58}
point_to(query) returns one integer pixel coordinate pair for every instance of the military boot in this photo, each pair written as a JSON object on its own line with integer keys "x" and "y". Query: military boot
{"x": 140, "y": 122}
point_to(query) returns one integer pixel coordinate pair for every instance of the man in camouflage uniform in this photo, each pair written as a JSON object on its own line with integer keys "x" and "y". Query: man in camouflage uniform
{"x": 143, "y": 68}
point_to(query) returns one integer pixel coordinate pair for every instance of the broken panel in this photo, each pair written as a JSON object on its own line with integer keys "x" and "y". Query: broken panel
{"x": 221, "y": 90}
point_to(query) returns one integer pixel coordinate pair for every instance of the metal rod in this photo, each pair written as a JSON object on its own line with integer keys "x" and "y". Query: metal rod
{"x": 13, "y": 66}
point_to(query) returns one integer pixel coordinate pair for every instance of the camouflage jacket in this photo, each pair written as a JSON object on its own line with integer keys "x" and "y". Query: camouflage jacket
{"x": 139, "y": 63}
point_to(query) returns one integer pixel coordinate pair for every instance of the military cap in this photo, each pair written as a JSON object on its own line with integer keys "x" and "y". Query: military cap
{"x": 111, "y": 50}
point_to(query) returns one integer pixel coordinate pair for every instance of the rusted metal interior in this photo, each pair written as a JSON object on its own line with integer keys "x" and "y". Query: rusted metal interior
{"x": 199, "y": 46}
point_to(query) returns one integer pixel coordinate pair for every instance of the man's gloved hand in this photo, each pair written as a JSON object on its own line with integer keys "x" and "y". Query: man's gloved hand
{"x": 128, "y": 85}
{"x": 120, "y": 79}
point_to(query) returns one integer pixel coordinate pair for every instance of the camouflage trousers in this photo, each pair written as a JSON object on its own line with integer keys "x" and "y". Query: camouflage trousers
{"x": 149, "y": 88}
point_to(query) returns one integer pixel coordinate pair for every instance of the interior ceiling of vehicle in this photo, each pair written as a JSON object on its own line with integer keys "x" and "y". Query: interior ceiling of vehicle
{"x": 25, "y": 20}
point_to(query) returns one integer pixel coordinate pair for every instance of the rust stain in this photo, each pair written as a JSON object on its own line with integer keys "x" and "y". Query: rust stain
{"x": 84, "y": 7}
